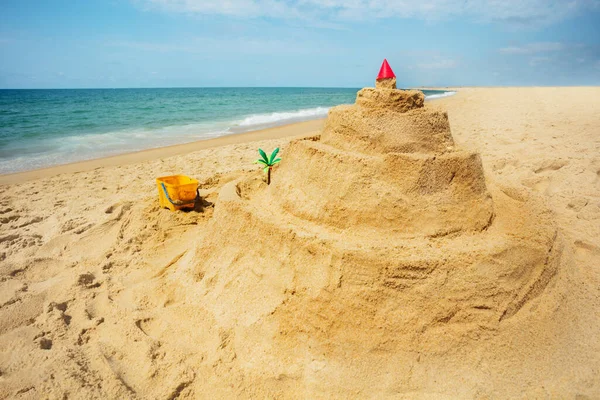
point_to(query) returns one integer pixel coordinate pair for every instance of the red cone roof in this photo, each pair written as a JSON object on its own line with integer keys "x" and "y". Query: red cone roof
{"x": 386, "y": 71}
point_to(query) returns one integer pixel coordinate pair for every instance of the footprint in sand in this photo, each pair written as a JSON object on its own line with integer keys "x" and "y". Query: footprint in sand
{"x": 541, "y": 181}
{"x": 501, "y": 164}
{"x": 577, "y": 204}
{"x": 587, "y": 254}
{"x": 77, "y": 225}
{"x": 590, "y": 212}
{"x": 583, "y": 246}
{"x": 540, "y": 184}
{"x": 550, "y": 165}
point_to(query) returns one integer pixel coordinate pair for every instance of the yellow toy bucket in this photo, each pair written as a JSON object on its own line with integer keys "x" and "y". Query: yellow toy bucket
{"x": 177, "y": 192}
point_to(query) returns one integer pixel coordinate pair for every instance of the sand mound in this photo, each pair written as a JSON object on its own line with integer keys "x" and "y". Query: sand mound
{"x": 110, "y": 296}
{"x": 378, "y": 236}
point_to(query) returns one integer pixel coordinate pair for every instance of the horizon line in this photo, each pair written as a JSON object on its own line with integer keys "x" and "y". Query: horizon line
{"x": 299, "y": 87}
{"x": 188, "y": 87}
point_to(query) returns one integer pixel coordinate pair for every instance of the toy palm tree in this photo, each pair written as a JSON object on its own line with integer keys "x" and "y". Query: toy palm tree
{"x": 268, "y": 162}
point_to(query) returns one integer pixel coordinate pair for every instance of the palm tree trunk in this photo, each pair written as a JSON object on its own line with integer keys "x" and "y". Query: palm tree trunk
{"x": 269, "y": 176}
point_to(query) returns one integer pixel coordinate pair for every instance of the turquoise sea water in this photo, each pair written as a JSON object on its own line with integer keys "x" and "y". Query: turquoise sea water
{"x": 41, "y": 128}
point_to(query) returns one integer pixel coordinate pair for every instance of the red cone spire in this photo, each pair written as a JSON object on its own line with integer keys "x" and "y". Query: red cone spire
{"x": 386, "y": 71}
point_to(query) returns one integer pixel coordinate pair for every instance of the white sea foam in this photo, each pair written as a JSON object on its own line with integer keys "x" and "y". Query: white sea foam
{"x": 61, "y": 150}
{"x": 439, "y": 95}
{"x": 257, "y": 121}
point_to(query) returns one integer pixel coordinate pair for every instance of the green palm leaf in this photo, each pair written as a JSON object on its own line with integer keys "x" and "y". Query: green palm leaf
{"x": 264, "y": 155}
{"x": 268, "y": 162}
{"x": 273, "y": 155}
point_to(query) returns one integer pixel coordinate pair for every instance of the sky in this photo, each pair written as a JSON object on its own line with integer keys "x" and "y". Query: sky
{"x": 314, "y": 43}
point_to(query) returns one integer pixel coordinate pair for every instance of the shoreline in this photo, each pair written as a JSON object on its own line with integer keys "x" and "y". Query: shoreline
{"x": 277, "y": 132}
{"x": 274, "y": 132}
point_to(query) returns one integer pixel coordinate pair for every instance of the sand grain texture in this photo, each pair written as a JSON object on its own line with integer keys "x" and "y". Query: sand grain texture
{"x": 299, "y": 289}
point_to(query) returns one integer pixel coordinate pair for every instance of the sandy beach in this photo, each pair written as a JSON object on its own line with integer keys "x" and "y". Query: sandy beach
{"x": 286, "y": 131}
{"x": 105, "y": 295}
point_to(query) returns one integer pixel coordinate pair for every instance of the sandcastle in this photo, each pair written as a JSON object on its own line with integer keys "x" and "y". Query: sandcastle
{"x": 378, "y": 235}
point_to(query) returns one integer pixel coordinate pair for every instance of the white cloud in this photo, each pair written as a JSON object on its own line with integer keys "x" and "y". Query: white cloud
{"x": 555, "y": 53}
{"x": 514, "y": 12}
{"x": 535, "y": 61}
{"x": 533, "y": 48}
{"x": 236, "y": 8}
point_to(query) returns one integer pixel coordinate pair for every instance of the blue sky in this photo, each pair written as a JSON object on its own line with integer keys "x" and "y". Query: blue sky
{"x": 334, "y": 43}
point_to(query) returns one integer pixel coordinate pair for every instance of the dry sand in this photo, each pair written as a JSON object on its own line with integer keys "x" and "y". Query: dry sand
{"x": 256, "y": 295}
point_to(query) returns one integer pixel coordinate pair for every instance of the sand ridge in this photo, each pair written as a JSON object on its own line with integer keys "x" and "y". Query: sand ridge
{"x": 110, "y": 297}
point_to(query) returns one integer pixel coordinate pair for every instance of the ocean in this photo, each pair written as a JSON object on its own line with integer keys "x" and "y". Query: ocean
{"x": 42, "y": 128}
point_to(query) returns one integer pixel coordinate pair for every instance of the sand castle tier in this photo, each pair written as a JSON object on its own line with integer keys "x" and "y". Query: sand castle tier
{"x": 399, "y": 166}
{"x": 379, "y": 222}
